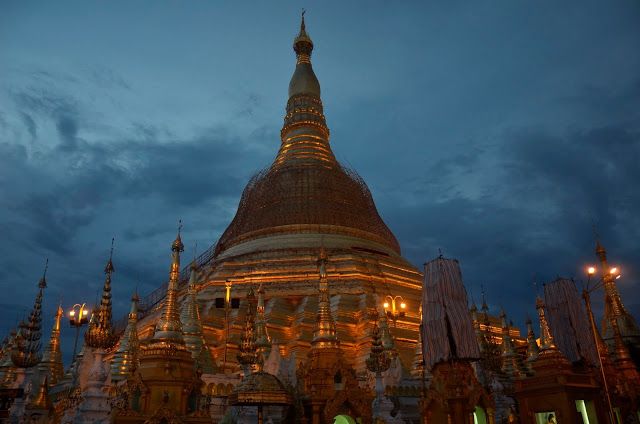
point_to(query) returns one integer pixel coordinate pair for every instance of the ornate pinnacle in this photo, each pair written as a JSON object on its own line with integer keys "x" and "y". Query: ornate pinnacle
{"x": 100, "y": 332}
{"x": 51, "y": 362}
{"x": 378, "y": 360}
{"x": 532, "y": 345}
{"x": 546, "y": 338}
{"x": 302, "y": 45}
{"x": 192, "y": 326}
{"x": 385, "y": 334}
{"x": 248, "y": 356}
{"x": 263, "y": 341}
{"x": 510, "y": 364}
{"x": 26, "y": 351}
{"x": 324, "y": 334}
{"x": 125, "y": 360}
{"x": 614, "y": 307}
{"x": 169, "y": 326}
{"x": 41, "y": 400}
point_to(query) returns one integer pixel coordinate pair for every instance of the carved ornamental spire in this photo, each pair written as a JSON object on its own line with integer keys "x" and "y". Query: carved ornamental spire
{"x": 532, "y": 345}
{"x": 510, "y": 364}
{"x": 125, "y": 360}
{"x": 169, "y": 326}
{"x": 248, "y": 357}
{"x": 192, "y": 326}
{"x": 386, "y": 337}
{"x": 26, "y": 352}
{"x": 100, "y": 334}
{"x": 378, "y": 360}
{"x": 549, "y": 352}
{"x": 324, "y": 334}
{"x": 263, "y": 341}
{"x": 51, "y": 363}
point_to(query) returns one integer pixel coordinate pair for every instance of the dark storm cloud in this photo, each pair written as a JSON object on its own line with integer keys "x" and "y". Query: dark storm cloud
{"x": 533, "y": 221}
{"x": 56, "y": 191}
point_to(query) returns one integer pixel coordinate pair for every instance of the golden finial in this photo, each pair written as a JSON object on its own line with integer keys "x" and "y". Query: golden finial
{"x": 248, "y": 356}
{"x": 108, "y": 269}
{"x": 41, "y": 399}
{"x": 177, "y": 245}
{"x": 27, "y": 352}
{"x": 302, "y": 45}
{"x": 169, "y": 326}
{"x": 43, "y": 281}
{"x": 546, "y": 337}
{"x": 100, "y": 332}
{"x": 324, "y": 334}
{"x": 125, "y": 359}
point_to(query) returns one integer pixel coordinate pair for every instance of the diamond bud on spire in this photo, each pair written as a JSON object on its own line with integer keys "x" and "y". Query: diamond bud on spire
{"x": 304, "y": 80}
{"x": 169, "y": 326}
{"x": 100, "y": 332}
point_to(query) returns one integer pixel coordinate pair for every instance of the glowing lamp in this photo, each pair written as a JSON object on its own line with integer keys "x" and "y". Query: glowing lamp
{"x": 613, "y": 270}
{"x": 618, "y": 276}
{"x": 591, "y": 270}
{"x": 403, "y": 305}
{"x": 84, "y": 312}
{"x": 386, "y": 305}
{"x": 72, "y": 313}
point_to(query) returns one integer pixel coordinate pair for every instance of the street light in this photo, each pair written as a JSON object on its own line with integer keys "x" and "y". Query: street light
{"x": 395, "y": 312}
{"x": 78, "y": 316}
{"x": 586, "y": 295}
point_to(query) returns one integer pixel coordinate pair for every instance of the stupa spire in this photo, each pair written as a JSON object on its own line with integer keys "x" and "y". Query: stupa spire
{"x": 613, "y": 308}
{"x": 385, "y": 335}
{"x": 26, "y": 351}
{"x": 263, "y": 341}
{"x": 510, "y": 364}
{"x": 125, "y": 360}
{"x": 324, "y": 334}
{"x": 169, "y": 326}
{"x": 192, "y": 325}
{"x": 248, "y": 357}
{"x": 100, "y": 332}
{"x": 546, "y": 338}
{"x": 532, "y": 345}
{"x": 305, "y": 133}
{"x": 51, "y": 362}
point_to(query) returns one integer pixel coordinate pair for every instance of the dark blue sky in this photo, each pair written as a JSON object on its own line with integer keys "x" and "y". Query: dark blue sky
{"x": 499, "y": 132}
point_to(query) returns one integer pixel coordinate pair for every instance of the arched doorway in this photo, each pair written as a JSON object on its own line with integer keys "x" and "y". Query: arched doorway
{"x": 343, "y": 419}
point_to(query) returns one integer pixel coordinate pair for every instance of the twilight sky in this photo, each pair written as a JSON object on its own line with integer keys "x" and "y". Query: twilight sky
{"x": 496, "y": 131}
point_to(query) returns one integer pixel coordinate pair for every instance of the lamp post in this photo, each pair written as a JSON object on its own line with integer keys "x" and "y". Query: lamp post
{"x": 397, "y": 309}
{"x": 78, "y": 316}
{"x": 586, "y": 295}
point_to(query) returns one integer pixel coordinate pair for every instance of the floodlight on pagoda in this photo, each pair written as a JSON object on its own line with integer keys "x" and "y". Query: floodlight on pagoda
{"x": 614, "y": 271}
{"x": 78, "y": 316}
{"x": 394, "y": 313}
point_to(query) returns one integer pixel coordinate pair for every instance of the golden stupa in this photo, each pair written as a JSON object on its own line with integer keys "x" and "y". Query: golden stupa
{"x": 303, "y": 203}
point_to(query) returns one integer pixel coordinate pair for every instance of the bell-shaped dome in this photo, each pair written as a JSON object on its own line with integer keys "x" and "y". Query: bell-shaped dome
{"x": 306, "y": 190}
